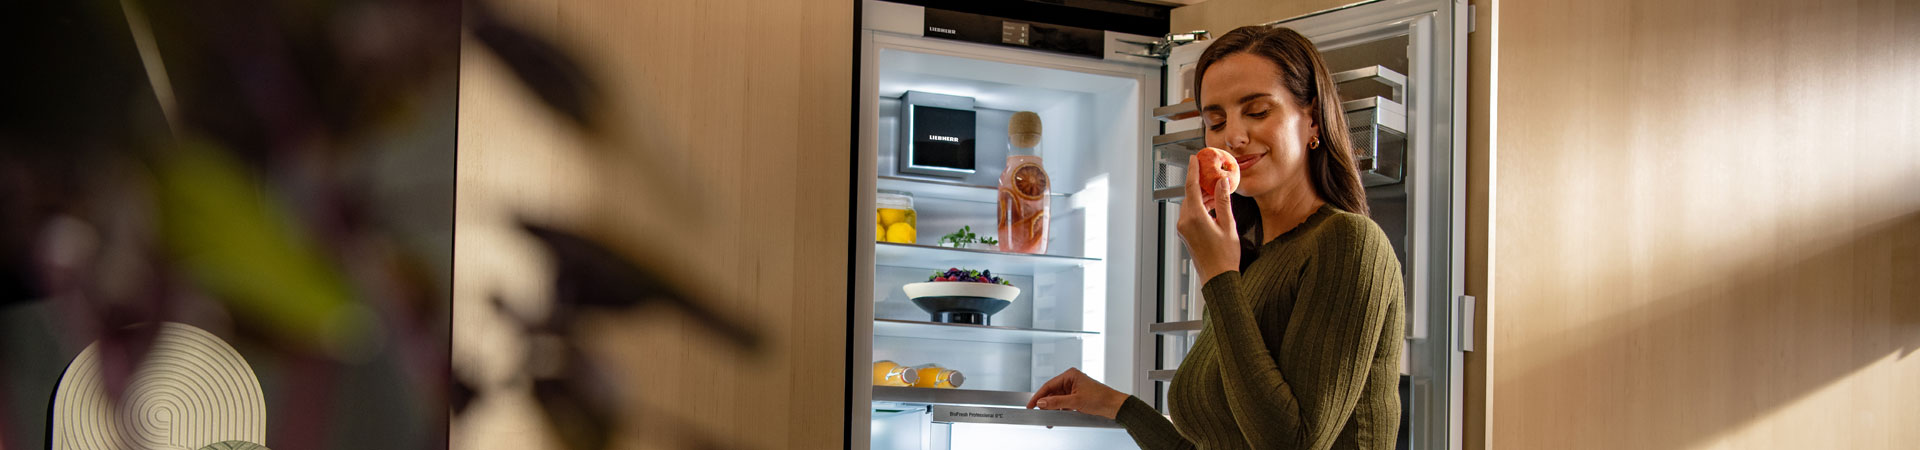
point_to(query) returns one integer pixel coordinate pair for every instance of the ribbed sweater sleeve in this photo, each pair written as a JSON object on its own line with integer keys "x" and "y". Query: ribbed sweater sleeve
{"x": 1342, "y": 303}
{"x": 1149, "y": 429}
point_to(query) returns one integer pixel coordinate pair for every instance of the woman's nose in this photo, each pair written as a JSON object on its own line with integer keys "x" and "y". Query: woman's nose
{"x": 1231, "y": 136}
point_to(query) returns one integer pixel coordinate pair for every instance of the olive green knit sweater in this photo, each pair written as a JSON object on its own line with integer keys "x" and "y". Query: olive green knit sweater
{"x": 1301, "y": 350}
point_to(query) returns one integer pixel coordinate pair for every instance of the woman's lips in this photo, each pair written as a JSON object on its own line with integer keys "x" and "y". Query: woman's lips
{"x": 1248, "y": 161}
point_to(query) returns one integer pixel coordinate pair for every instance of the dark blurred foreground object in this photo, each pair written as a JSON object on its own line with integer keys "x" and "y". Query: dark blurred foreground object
{"x": 281, "y": 175}
{"x": 251, "y": 168}
{"x": 196, "y": 391}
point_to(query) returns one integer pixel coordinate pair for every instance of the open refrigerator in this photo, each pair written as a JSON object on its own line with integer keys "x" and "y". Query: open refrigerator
{"x": 1113, "y": 293}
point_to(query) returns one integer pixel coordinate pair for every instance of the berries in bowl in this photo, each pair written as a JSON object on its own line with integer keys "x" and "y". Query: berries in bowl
{"x": 962, "y": 296}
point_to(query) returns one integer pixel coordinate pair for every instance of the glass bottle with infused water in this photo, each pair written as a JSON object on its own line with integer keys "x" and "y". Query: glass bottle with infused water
{"x": 1025, "y": 189}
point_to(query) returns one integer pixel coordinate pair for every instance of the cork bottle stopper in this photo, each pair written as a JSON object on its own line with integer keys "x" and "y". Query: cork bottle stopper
{"x": 1024, "y": 129}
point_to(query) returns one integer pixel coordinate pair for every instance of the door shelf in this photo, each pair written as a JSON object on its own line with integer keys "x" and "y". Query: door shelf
{"x": 975, "y": 333}
{"x": 1190, "y": 141}
{"x": 941, "y": 258}
{"x": 1182, "y": 327}
{"x": 1378, "y": 128}
{"x": 1178, "y": 111}
{"x": 1386, "y": 78}
{"x": 936, "y": 396}
{"x": 948, "y": 190}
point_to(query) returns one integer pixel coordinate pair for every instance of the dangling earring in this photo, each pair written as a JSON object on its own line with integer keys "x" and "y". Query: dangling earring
{"x": 1315, "y": 144}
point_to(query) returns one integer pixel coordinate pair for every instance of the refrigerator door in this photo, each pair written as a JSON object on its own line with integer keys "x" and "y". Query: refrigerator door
{"x": 1401, "y": 69}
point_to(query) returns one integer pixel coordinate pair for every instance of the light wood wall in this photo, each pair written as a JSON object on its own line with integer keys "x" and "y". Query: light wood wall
{"x": 725, "y": 156}
{"x": 1706, "y": 225}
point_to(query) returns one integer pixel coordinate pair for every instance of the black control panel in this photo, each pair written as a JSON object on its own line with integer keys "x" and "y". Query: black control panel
{"x": 1015, "y": 33}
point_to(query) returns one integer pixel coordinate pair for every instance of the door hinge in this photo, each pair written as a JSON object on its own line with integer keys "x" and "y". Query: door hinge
{"x": 1465, "y": 325}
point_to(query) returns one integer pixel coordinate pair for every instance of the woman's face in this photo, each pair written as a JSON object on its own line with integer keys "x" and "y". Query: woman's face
{"x": 1249, "y": 113}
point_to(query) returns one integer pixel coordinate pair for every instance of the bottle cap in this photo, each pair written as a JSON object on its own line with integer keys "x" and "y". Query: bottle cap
{"x": 1023, "y": 130}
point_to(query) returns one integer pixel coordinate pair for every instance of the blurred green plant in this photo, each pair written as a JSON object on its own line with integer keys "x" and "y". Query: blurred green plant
{"x": 246, "y": 252}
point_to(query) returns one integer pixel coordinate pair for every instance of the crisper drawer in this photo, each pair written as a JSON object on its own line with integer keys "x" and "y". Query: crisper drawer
{"x": 957, "y": 427}
{"x": 960, "y": 419}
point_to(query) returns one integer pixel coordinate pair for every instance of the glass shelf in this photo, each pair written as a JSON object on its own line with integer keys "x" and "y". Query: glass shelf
{"x": 976, "y": 333}
{"x": 941, "y": 258}
{"x": 948, "y": 190}
{"x": 936, "y": 396}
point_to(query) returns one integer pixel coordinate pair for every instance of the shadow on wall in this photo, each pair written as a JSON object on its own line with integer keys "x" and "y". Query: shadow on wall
{"x": 1763, "y": 338}
{"x": 556, "y": 182}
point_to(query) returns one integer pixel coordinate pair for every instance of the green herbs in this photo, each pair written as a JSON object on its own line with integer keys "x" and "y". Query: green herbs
{"x": 960, "y": 239}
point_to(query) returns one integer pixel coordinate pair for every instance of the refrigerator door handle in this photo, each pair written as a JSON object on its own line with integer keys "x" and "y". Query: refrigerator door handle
{"x": 1465, "y": 338}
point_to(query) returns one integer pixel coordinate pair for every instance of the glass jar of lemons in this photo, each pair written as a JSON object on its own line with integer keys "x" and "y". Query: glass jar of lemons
{"x": 895, "y": 221}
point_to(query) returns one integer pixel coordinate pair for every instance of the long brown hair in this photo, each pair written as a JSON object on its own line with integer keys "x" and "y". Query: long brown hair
{"x": 1330, "y": 168}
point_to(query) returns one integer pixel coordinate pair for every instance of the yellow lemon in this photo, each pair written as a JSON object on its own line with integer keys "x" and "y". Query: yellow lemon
{"x": 900, "y": 233}
{"x": 890, "y": 216}
{"x": 880, "y": 232}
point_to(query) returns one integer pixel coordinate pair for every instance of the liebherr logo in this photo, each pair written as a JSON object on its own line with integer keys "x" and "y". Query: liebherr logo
{"x": 942, "y": 30}
{"x": 943, "y": 138}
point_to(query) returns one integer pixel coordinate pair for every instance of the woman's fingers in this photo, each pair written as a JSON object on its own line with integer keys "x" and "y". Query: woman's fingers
{"x": 1060, "y": 384}
{"x": 1042, "y": 393}
{"x": 1060, "y": 402}
{"x": 1223, "y": 206}
{"x": 1075, "y": 391}
{"x": 1192, "y": 202}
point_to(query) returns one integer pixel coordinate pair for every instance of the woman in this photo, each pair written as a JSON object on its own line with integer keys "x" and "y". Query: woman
{"x": 1301, "y": 348}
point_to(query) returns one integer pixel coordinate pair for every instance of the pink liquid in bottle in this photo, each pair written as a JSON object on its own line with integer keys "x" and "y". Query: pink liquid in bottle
{"x": 1024, "y": 194}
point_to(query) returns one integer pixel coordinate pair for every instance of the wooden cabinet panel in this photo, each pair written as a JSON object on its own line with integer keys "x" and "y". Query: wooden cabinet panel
{"x": 1221, "y": 16}
{"x": 1706, "y": 225}
{"x": 723, "y": 156}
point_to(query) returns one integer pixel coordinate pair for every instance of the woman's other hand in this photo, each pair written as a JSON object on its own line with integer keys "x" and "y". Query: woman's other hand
{"x": 1073, "y": 390}
{"x": 1211, "y": 238}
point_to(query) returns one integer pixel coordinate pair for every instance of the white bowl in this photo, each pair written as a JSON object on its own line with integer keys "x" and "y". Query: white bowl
{"x": 961, "y": 289}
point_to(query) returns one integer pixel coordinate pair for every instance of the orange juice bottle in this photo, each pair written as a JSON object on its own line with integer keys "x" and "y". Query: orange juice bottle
{"x": 934, "y": 376}
{"x": 889, "y": 373}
